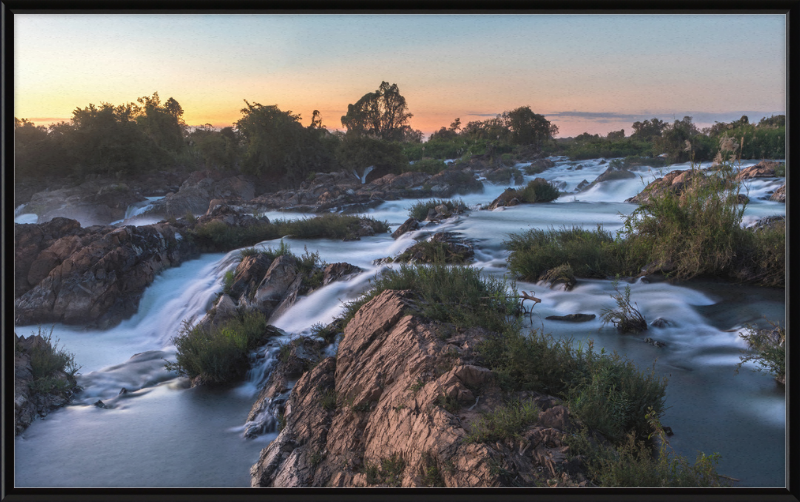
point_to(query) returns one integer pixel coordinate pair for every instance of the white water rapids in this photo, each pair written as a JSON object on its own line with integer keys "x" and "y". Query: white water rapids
{"x": 162, "y": 433}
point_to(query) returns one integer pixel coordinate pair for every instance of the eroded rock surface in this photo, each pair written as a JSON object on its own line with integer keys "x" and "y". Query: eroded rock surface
{"x": 66, "y": 273}
{"x": 764, "y": 169}
{"x": 407, "y": 390}
{"x": 198, "y": 190}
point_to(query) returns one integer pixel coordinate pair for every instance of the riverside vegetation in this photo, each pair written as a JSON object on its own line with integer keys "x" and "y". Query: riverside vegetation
{"x": 608, "y": 395}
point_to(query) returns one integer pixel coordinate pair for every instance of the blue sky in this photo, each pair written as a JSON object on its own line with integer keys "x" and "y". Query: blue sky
{"x": 591, "y": 73}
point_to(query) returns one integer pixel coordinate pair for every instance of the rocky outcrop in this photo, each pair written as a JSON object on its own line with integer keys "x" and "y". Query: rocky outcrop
{"x": 675, "y": 182}
{"x": 572, "y": 317}
{"x": 445, "y": 246}
{"x": 779, "y": 195}
{"x": 30, "y": 402}
{"x": 539, "y": 166}
{"x": 610, "y": 174}
{"x": 409, "y": 225}
{"x": 198, "y": 190}
{"x": 344, "y": 192}
{"x": 74, "y": 275}
{"x": 764, "y": 169}
{"x": 395, "y": 406}
{"x": 339, "y": 272}
{"x": 94, "y": 202}
{"x": 508, "y": 198}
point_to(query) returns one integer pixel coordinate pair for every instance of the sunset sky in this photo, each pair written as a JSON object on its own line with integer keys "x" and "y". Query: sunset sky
{"x": 585, "y": 73}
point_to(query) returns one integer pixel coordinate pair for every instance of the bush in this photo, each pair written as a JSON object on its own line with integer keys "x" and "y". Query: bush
{"x": 218, "y": 236}
{"x": 767, "y": 349}
{"x": 625, "y": 317}
{"x": 633, "y": 463}
{"x": 538, "y": 190}
{"x": 457, "y": 295}
{"x": 589, "y": 253}
{"x": 218, "y": 354}
{"x": 420, "y": 209}
{"x": 389, "y": 472}
{"x": 504, "y": 422}
{"x": 47, "y": 359}
{"x": 607, "y": 392}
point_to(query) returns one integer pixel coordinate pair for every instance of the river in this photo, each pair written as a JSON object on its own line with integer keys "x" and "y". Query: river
{"x": 164, "y": 434}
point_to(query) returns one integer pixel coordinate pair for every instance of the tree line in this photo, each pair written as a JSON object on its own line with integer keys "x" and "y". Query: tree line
{"x": 268, "y": 142}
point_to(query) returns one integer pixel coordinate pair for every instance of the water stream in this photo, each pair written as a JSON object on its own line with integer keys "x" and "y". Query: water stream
{"x": 162, "y": 433}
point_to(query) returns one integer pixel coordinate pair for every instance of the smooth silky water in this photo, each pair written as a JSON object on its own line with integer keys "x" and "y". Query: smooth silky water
{"x": 163, "y": 433}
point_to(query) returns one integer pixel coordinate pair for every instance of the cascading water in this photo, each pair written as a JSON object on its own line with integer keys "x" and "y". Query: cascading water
{"x": 162, "y": 433}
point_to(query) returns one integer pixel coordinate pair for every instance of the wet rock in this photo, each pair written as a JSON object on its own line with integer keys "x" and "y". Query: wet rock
{"x": 657, "y": 343}
{"x": 764, "y": 169}
{"x": 339, "y": 272}
{"x": 95, "y": 202}
{"x": 273, "y": 287}
{"x": 445, "y": 246}
{"x": 198, "y": 190}
{"x": 100, "y": 404}
{"x": 572, "y": 317}
{"x": 675, "y": 181}
{"x": 383, "y": 397}
{"x": 661, "y": 323}
{"x": 123, "y": 391}
{"x": 97, "y": 274}
{"x": 248, "y": 274}
{"x": 779, "y": 195}
{"x": 609, "y": 174}
{"x": 582, "y": 185}
{"x": 409, "y": 225}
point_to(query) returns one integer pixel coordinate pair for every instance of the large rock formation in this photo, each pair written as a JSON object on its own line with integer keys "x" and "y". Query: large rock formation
{"x": 779, "y": 195}
{"x": 674, "y": 181}
{"x": 66, "y": 273}
{"x": 343, "y": 191}
{"x": 764, "y": 169}
{"x": 395, "y": 406}
{"x": 91, "y": 203}
{"x": 199, "y": 189}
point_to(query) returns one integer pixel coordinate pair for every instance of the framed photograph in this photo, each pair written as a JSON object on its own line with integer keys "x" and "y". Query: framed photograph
{"x": 337, "y": 253}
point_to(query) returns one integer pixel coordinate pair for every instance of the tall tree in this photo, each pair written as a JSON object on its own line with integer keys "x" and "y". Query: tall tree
{"x": 381, "y": 114}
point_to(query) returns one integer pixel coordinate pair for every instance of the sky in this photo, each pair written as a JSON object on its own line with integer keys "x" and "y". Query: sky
{"x": 585, "y": 73}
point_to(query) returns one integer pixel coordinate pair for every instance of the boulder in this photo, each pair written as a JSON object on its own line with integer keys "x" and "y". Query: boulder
{"x": 572, "y": 317}
{"x": 779, "y": 195}
{"x": 398, "y": 392}
{"x": 338, "y": 272}
{"x": 96, "y": 275}
{"x": 199, "y": 189}
{"x": 95, "y": 202}
{"x": 764, "y": 169}
{"x": 409, "y": 225}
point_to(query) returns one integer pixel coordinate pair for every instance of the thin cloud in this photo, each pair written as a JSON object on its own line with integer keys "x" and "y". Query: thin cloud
{"x": 697, "y": 116}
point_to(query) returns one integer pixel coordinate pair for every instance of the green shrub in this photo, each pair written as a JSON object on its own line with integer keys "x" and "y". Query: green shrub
{"x": 228, "y": 281}
{"x": 699, "y": 231}
{"x": 767, "y": 349}
{"x": 419, "y": 210}
{"x": 327, "y": 333}
{"x": 633, "y": 462}
{"x": 538, "y": 190}
{"x": 453, "y": 294}
{"x": 625, "y": 317}
{"x": 218, "y": 354}
{"x": 47, "y": 358}
{"x": 604, "y": 390}
{"x": 218, "y": 236}
{"x": 433, "y": 252}
{"x": 507, "y": 159}
{"x": 589, "y": 253}
{"x": 504, "y": 422}
{"x": 781, "y": 170}
{"x": 390, "y": 471}
{"x": 328, "y": 400}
